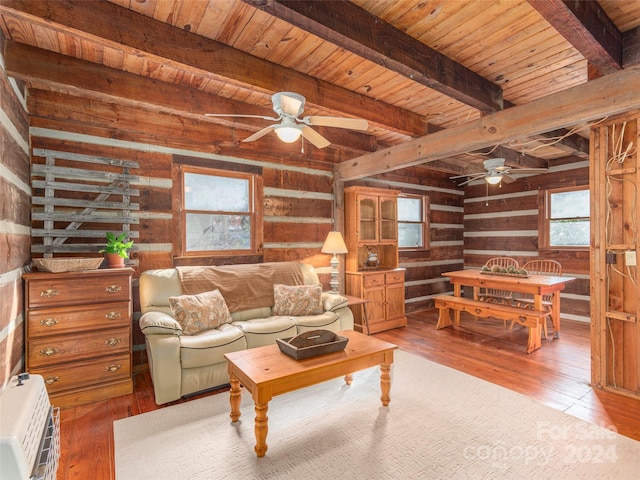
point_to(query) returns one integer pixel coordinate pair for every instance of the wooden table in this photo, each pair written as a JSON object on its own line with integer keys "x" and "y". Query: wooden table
{"x": 267, "y": 372}
{"x": 354, "y": 302}
{"x": 536, "y": 285}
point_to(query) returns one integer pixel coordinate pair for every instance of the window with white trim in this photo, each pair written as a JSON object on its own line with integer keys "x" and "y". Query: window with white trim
{"x": 413, "y": 228}
{"x": 565, "y": 218}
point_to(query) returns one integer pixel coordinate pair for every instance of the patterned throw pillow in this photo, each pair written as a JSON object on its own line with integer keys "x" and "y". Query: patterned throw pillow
{"x": 200, "y": 312}
{"x": 297, "y": 300}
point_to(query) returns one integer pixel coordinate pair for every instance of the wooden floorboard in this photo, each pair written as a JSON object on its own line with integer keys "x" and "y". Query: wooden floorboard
{"x": 557, "y": 375}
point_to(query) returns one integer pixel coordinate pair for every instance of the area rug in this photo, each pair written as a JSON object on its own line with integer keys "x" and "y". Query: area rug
{"x": 440, "y": 424}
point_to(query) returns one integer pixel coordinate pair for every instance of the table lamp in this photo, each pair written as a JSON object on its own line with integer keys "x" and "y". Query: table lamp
{"x": 334, "y": 244}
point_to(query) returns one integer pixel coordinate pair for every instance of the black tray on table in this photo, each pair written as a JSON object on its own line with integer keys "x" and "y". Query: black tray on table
{"x": 312, "y": 343}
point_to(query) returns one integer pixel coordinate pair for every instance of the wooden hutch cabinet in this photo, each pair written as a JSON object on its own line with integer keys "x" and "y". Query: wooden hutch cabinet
{"x": 78, "y": 333}
{"x": 372, "y": 273}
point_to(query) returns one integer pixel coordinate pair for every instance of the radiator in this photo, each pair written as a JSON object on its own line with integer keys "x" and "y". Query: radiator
{"x": 29, "y": 430}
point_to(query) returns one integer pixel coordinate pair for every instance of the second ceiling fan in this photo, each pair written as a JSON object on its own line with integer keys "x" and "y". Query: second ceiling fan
{"x": 496, "y": 171}
{"x": 290, "y": 127}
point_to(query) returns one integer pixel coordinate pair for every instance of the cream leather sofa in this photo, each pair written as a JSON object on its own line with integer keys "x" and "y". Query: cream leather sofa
{"x": 183, "y": 364}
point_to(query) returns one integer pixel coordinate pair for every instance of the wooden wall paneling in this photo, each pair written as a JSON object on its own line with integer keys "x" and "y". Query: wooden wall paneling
{"x": 14, "y": 221}
{"x": 278, "y": 206}
{"x": 15, "y": 157}
{"x": 95, "y": 117}
{"x": 153, "y": 247}
{"x": 615, "y": 183}
{"x": 12, "y": 107}
{"x": 507, "y": 221}
{"x": 423, "y": 268}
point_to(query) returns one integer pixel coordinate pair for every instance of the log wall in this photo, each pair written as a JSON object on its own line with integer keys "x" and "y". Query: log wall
{"x": 424, "y": 268}
{"x": 506, "y": 223}
{"x": 15, "y": 196}
{"x": 298, "y": 196}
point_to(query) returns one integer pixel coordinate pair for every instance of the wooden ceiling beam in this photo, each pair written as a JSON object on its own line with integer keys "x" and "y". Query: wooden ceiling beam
{"x": 138, "y": 35}
{"x": 631, "y": 48}
{"x": 512, "y": 157}
{"x": 66, "y": 74}
{"x": 356, "y": 30}
{"x": 588, "y": 28}
{"x": 609, "y": 95}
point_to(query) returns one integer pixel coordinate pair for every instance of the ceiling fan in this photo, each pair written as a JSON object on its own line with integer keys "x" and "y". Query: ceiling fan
{"x": 289, "y": 106}
{"x": 496, "y": 171}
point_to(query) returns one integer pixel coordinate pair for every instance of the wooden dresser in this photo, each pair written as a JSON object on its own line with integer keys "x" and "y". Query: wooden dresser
{"x": 78, "y": 333}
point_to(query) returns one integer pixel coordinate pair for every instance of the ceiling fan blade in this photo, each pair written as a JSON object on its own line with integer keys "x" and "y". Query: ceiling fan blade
{"x": 528, "y": 170}
{"x": 259, "y": 134}
{"x": 240, "y": 116}
{"x": 288, "y": 103}
{"x": 339, "y": 122}
{"x": 466, "y": 175}
{"x": 314, "y": 137}
{"x": 508, "y": 178}
{"x": 478, "y": 177}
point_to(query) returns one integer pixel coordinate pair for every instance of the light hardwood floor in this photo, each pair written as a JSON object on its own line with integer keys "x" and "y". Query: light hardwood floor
{"x": 557, "y": 375}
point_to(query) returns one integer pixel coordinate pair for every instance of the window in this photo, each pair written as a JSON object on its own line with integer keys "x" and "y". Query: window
{"x": 412, "y": 222}
{"x": 564, "y": 218}
{"x": 218, "y": 212}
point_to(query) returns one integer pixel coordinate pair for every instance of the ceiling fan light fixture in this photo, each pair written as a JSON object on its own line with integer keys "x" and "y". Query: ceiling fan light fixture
{"x": 287, "y": 133}
{"x": 493, "y": 179}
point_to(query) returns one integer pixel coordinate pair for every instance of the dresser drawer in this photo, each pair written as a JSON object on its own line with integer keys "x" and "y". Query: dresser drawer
{"x": 395, "y": 277}
{"x": 69, "y": 348}
{"x": 57, "y": 291}
{"x": 54, "y": 321}
{"x": 63, "y": 377}
{"x": 375, "y": 280}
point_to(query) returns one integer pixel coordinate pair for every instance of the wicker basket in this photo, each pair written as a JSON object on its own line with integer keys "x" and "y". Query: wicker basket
{"x": 71, "y": 264}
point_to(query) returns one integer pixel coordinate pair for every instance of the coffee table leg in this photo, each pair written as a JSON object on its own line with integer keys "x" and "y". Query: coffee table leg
{"x": 348, "y": 378}
{"x": 385, "y": 383}
{"x": 261, "y": 429}
{"x": 235, "y": 395}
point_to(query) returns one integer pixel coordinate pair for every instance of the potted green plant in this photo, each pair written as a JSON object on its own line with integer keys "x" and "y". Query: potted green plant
{"x": 117, "y": 249}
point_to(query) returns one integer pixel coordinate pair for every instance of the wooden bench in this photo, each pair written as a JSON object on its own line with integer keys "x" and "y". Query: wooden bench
{"x": 532, "y": 319}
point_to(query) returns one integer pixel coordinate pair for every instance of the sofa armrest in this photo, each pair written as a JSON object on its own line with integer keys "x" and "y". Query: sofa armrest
{"x": 158, "y": 323}
{"x": 333, "y": 301}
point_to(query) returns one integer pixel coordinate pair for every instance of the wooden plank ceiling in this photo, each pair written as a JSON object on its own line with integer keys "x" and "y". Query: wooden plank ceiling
{"x": 410, "y": 67}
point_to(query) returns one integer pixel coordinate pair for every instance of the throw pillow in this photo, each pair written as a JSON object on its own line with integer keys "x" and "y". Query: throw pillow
{"x": 297, "y": 300}
{"x": 196, "y": 313}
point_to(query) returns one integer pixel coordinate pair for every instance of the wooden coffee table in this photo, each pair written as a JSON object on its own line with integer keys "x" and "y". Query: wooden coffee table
{"x": 267, "y": 372}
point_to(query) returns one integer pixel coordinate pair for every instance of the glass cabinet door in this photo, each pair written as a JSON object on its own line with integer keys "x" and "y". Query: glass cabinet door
{"x": 367, "y": 218}
{"x": 388, "y": 219}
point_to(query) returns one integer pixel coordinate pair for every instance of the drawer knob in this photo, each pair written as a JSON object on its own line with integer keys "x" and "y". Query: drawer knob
{"x": 49, "y": 351}
{"x": 113, "y": 288}
{"x": 112, "y": 315}
{"x": 113, "y": 368}
{"x": 112, "y": 342}
{"x": 51, "y": 379}
{"x": 49, "y": 322}
{"x": 49, "y": 293}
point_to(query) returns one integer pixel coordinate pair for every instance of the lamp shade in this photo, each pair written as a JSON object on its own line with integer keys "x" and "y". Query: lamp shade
{"x": 334, "y": 244}
{"x": 493, "y": 179}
